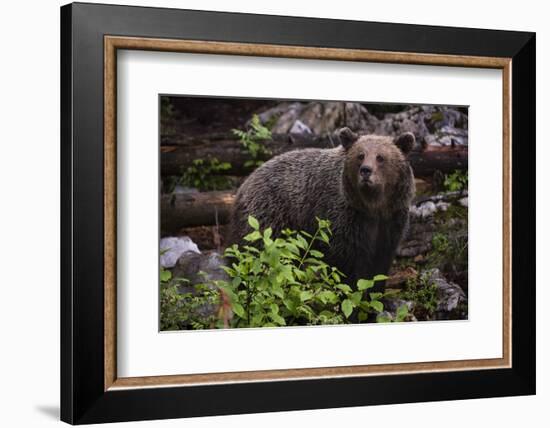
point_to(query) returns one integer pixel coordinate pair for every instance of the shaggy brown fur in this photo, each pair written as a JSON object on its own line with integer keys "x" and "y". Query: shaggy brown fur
{"x": 364, "y": 187}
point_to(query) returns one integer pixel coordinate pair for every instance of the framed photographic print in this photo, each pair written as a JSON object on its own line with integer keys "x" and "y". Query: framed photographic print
{"x": 266, "y": 213}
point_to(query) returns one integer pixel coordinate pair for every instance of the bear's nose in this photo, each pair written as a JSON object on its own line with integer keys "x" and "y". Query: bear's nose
{"x": 365, "y": 171}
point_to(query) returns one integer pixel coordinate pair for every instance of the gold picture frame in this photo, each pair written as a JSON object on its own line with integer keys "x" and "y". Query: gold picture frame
{"x": 114, "y": 43}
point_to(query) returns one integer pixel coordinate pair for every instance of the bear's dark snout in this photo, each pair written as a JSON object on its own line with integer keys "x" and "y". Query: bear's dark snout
{"x": 365, "y": 172}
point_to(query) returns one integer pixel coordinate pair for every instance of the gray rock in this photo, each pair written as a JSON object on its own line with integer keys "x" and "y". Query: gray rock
{"x": 391, "y": 305}
{"x": 418, "y": 237}
{"x": 450, "y": 296}
{"x": 446, "y": 197}
{"x": 432, "y": 125}
{"x": 442, "y": 206}
{"x": 173, "y": 247}
{"x": 287, "y": 115}
{"x": 200, "y": 267}
{"x": 412, "y": 248}
{"x": 386, "y": 315}
{"x": 300, "y": 128}
{"x": 279, "y": 110}
{"x": 427, "y": 209}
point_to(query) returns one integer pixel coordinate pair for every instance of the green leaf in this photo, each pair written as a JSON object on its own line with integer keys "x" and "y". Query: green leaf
{"x": 253, "y": 222}
{"x": 257, "y": 320}
{"x": 292, "y": 248}
{"x": 267, "y": 233}
{"x": 165, "y": 275}
{"x": 300, "y": 275}
{"x": 380, "y": 278}
{"x": 254, "y": 236}
{"x": 314, "y": 261}
{"x": 375, "y": 296}
{"x": 316, "y": 253}
{"x": 305, "y": 295}
{"x": 377, "y": 305}
{"x": 277, "y": 291}
{"x": 383, "y": 318}
{"x": 362, "y": 316}
{"x": 324, "y": 237}
{"x": 356, "y": 297}
{"x": 277, "y": 318}
{"x": 365, "y": 284}
{"x": 290, "y": 305}
{"x": 286, "y": 273}
{"x": 256, "y": 266}
{"x": 345, "y": 288}
{"x": 238, "y": 310}
{"x": 328, "y": 296}
{"x": 402, "y": 312}
{"x": 347, "y": 307}
{"x": 301, "y": 242}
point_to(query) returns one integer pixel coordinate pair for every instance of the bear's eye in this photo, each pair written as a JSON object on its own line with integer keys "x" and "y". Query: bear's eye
{"x": 361, "y": 156}
{"x": 380, "y": 158}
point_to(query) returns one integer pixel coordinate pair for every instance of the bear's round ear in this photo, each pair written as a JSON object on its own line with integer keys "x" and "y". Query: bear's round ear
{"x": 405, "y": 142}
{"x": 346, "y": 137}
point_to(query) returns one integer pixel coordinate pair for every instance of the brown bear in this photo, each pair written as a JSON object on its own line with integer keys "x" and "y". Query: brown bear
{"x": 364, "y": 187}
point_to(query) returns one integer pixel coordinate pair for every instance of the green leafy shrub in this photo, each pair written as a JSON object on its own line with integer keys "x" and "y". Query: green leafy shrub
{"x": 423, "y": 292}
{"x": 190, "y": 308}
{"x": 204, "y": 175}
{"x": 284, "y": 281}
{"x": 281, "y": 281}
{"x": 449, "y": 253}
{"x": 440, "y": 243}
{"x": 251, "y": 141}
{"x": 456, "y": 182}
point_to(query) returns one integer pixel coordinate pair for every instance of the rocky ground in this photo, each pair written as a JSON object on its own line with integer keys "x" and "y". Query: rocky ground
{"x": 434, "y": 126}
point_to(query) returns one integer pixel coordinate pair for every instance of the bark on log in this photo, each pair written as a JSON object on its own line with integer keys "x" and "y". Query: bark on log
{"x": 177, "y": 155}
{"x": 446, "y": 159}
{"x": 210, "y": 208}
{"x": 194, "y": 209}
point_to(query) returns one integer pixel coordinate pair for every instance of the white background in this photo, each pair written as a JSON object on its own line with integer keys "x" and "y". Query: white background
{"x": 29, "y": 226}
{"x": 142, "y": 351}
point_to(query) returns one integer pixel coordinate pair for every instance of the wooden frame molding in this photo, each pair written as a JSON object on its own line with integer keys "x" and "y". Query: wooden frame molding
{"x": 113, "y": 43}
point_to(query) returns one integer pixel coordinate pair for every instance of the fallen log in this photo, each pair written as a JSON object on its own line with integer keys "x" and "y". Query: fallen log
{"x": 446, "y": 160}
{"x": 176, "y": 156}
{"x": 184, "y": 210}
{"x": 194, "y": 209}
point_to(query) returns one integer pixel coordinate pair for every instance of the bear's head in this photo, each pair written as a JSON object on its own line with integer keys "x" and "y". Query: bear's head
{"x": 376, "y": 170}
